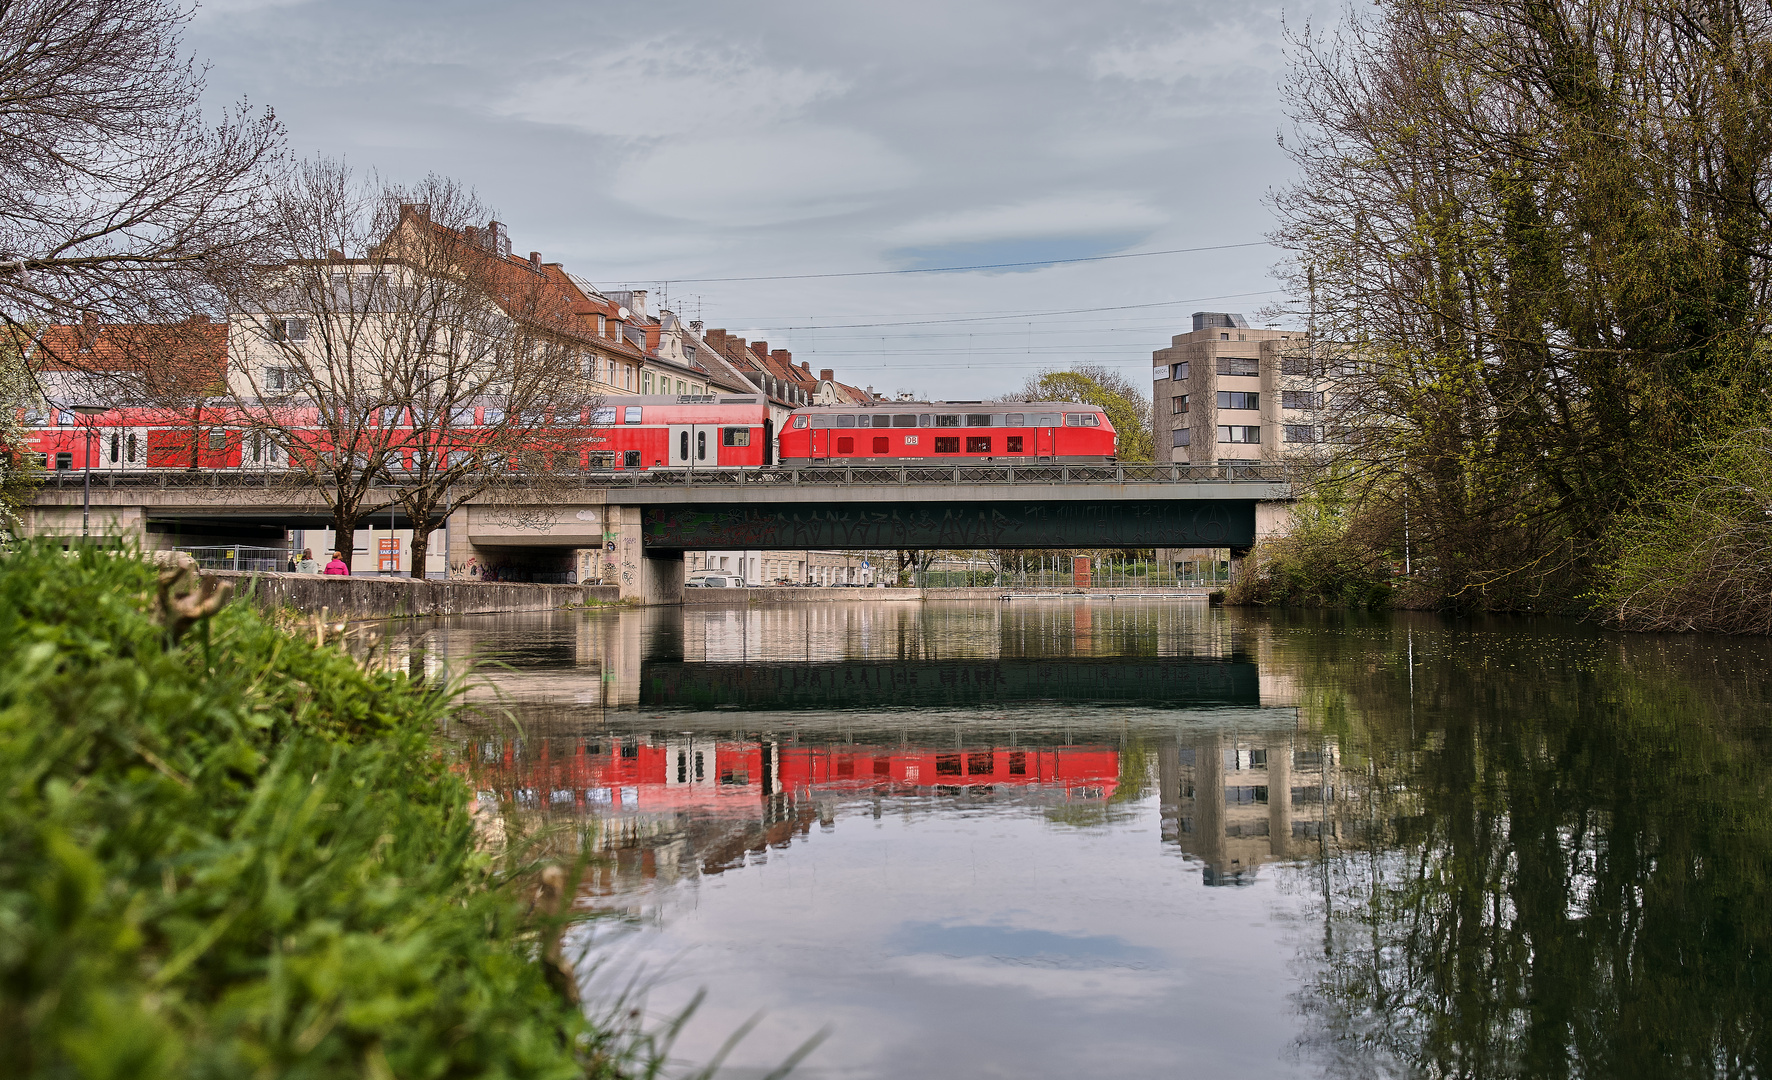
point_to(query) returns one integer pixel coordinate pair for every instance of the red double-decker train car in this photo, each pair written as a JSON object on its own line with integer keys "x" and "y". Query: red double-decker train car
{"x": 891, "y": 433}
{"x": 724, "y": 432}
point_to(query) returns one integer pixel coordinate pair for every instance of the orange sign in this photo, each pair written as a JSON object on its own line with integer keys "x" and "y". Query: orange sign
{"x": 1080, "y": 570}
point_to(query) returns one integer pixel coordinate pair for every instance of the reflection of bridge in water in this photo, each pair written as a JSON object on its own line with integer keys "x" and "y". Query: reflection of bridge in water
{"x": 769, "y": 720}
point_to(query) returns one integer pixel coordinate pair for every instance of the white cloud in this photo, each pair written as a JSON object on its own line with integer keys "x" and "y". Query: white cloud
{"x": 1058, "y": 215}
{"x": 649, "y": 89}
{"x": 1212, "y": 53}
{"x": 782, "y": 175}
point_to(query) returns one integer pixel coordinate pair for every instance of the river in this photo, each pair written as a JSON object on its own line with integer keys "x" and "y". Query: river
{"x": 1064, "y": 837}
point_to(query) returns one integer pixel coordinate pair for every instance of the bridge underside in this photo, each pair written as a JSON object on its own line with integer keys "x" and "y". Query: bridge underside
{"x": 897, "y": 525}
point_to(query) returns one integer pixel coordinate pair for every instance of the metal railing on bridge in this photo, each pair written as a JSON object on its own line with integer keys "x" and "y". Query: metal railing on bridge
{"x": 1132, "y": 576}
{"x": 843, "y": 475}
{"x": 239, "y": 557}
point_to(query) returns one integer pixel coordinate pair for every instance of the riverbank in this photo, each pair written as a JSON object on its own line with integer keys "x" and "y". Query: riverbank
{"x": 405, "y": 597}
{"x": 231, "y": 850}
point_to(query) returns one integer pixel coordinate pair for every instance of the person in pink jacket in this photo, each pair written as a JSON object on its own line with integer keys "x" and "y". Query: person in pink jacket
{"x": 337, "y": 567}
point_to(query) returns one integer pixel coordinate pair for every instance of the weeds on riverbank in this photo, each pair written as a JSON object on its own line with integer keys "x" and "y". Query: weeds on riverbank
{"x": 232, "y": 852}
{"x": 1324, "y": 561}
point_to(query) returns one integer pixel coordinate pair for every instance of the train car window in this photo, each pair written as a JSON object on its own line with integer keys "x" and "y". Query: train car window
{"x": 64, "y": 461}
{"x": 1073, "y": 419}
{"x": 1091, "y": 419}
{"x": 846, "y": 446}
{"x": 882, "y": 444}
{"x": 701, "y": 445}
{"x": 129, "y": 448}
{"x": 946, "y": 420}
{"x": 1012, "y": 444}
{"x": 978, "y": 444}
{"x": 631, "y": 414}
{"x": 462, "y": 417}
{"x": 821, "y": 421}
{"x": 630, "y": 459}
{"x": 1015, "y": 419}
{"x": 683, "y": 445}
{"x": 390, "y": 416}
{"x": 882, "y": 421}
{"x": 603, "y": 416}
{"x": 116, "y": 447}
{"x": 846, "y": 420}
{"x": 737, "y": 436}
{"x": 923, "y": 419}
{"x": 864, "y": 421}
{"x": 799, "y": 421}
{"x": 490, "y": 416}
{"x": 947, "y": 445}
{"x": 905, "y": 420}
{"x": 978, "y": 419}
{"x": 218, "y": 440}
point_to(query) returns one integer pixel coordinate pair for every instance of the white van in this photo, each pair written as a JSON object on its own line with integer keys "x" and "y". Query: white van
{"x": 713, "y": 579}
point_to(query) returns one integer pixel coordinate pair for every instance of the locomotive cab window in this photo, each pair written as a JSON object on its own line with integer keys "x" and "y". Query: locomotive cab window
{"x": 736, "y": 436}
{"x": 799, "y": 421}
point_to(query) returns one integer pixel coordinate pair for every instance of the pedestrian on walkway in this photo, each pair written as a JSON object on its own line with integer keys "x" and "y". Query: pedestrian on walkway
{"x": 337, "y": 567}
{"x": 307, "y": 565}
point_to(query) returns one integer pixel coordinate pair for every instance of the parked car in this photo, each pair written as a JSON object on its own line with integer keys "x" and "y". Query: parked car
{"x": 703, "y": 579}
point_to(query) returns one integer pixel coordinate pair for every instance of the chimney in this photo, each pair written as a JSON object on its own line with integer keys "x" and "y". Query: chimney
{"x": 497, "y": 240}
{"x": 695, "y": 325}
{"x": 735, "y": 347}
{"x": 761, "y": 349}
{"x": 784, "y": 358}
{"x": 535, "y": 261}
{"x": 806, "y": 366}
{"x": 637, "y": 301}
{"x": 716, "y": 338}
{"x": 651, "y": 329}
{"x": 827, "y": 375}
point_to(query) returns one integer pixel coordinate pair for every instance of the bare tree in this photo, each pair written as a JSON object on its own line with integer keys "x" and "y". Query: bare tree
{"x": 115, "y": 198}
{"x": 424, "y": 368}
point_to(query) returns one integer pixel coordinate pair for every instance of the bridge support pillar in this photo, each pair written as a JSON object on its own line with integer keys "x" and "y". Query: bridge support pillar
{"x": 644, "y": 577}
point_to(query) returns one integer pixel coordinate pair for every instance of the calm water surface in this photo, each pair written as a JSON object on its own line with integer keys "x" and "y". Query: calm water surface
{"x": 1057, "y": 838}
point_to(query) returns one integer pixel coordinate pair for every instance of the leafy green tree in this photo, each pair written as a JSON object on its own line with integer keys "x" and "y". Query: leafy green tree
{"x": 1093, "y": 384}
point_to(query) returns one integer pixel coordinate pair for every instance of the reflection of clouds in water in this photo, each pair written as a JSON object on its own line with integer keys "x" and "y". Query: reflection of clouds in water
{"x": 1095, "y": 969}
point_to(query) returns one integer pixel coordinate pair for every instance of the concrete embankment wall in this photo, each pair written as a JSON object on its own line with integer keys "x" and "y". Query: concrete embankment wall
{"x": 730, "y": 597}
{"x": 394, "y": 597}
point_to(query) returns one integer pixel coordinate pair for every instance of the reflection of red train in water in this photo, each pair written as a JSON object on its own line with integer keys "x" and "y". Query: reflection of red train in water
{"x": 638, "y": 774}
{"x": 625, "y": 433}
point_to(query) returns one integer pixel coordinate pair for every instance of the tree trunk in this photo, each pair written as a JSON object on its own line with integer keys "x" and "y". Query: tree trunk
{"x": 421, "y": 546}
{"x": 344, "y": 536}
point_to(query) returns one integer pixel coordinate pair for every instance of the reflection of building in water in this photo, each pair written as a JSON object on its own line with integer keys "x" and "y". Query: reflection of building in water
{"x": 1235, "y": 801}
{"x": 662, "y": 806}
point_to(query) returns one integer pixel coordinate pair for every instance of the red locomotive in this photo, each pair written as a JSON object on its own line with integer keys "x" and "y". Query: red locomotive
{"x": 1011, "y": 432}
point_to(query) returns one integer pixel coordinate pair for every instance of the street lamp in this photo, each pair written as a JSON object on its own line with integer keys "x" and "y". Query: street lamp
{"x": 88, "y": 412}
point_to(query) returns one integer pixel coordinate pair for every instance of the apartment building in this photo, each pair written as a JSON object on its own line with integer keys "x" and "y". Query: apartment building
{"x": 1228, "y": 394}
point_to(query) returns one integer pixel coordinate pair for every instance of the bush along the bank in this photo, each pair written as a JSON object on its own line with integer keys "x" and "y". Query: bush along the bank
{"x": 1318, "y": 563}
{"x": 1698, "y": 554}
{"x": 229, "y": 852}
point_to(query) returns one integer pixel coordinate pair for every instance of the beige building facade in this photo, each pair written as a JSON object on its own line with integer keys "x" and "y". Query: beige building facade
{"x": 1225, "y": 393}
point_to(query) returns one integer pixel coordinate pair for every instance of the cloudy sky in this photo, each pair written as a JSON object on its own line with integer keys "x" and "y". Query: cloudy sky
{"x": 672, "y": 144}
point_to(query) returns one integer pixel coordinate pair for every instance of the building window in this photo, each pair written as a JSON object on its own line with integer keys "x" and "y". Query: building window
{"x": 646, "y": 383}
{"x": 1238, "y": 365}
{"x": 1180, "y": 370}
{"x": 1184, "y": 436}
{"x": 1238, "y": 433}
{"x": 846, "y": 445}
{"x": 1012, "y": 444}
{"x": 882, "y": 444}
{"x": 736, "y": 436}
{"x": 1178, "y": 405}
{"x": 289, "y": 329}
{"x": 1237, "y": 399}
{"x": 1301, "y": 399}
{"x": 948, "y": 445}
{"x": 1224, "y": 337}
{"x": 978, "y": 444}
{"x": 1301, "y": 433}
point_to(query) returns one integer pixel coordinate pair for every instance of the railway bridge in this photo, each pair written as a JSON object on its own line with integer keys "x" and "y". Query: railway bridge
{"x": 642, "y": 522}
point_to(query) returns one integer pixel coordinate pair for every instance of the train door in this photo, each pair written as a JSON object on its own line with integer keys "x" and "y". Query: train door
{"x": 694, "y": 446}
{"x": 1046, "y": 436}
{"x": 124, "y": 449}
{"x": 819, "y": 440}
{"x": 768, "y": 442}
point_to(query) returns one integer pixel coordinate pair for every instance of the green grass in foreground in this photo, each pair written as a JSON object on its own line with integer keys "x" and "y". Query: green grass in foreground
{"x": 238, "y": 854}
